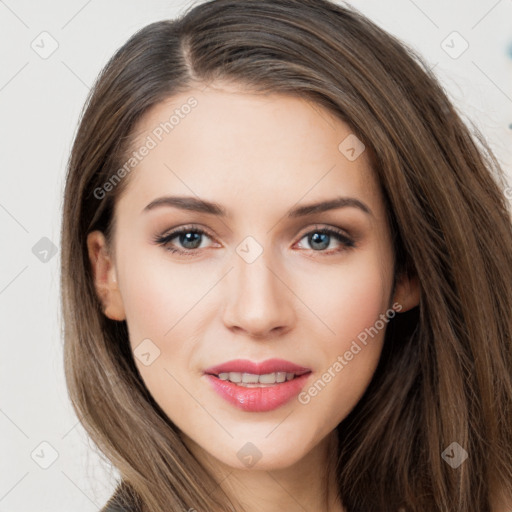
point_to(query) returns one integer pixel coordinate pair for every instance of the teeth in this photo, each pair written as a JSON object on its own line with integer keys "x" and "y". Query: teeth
{"x": 281, "y": 376}
{"x": 251, "y": 379}
{"x": 268, "y": 378}
{"x": 235, "y": 377}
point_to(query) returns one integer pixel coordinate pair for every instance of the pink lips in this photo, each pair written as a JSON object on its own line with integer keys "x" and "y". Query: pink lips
{"x": 246, "y": 366}
{"x": 258, "y": 399}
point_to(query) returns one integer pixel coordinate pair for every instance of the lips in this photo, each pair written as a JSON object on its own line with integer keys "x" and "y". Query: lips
{"x": 262, "y": 368}
{"x": 264, "y": 397}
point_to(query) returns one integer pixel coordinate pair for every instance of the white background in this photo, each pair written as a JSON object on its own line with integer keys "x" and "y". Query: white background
{"x": 40, "y": 100}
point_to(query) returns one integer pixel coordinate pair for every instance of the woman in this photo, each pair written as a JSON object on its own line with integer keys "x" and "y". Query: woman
{"x": 287, "y": 272}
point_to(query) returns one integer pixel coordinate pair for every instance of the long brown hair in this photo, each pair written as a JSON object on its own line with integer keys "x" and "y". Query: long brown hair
{"x": 445, "y": 374}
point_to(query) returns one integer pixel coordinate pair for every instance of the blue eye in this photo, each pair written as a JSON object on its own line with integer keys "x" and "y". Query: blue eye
{"x": 320, "y": 239}
{"x": 190, "y": 238}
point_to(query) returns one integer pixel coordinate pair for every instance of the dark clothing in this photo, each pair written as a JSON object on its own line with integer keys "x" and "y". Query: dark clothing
{"x": 114, "y": 508}
{"x": 117, "y": 503}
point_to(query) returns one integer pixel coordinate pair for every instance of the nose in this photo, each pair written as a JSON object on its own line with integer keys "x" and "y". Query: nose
{"x": 259, "y": 301}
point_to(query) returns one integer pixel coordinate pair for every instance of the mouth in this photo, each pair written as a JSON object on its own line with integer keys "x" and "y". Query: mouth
{"x": 278, "y": 382}
{"x": 249, "y": 373}
{"x": 254, "y": 380}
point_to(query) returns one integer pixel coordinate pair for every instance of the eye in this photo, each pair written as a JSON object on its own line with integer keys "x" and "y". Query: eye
{"x": 320, "y": 238}
{"x": 190, "y": 238}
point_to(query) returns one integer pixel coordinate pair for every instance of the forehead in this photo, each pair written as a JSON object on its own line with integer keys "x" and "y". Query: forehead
{"x": 231, "y": 145}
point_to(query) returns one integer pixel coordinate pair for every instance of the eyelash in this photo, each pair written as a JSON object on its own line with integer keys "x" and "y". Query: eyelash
{"x": 164, "y": 240}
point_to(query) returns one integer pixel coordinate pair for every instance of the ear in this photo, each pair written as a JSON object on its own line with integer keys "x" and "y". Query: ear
{"x": 407, "y": 292}
{"x": 105, "y": 279}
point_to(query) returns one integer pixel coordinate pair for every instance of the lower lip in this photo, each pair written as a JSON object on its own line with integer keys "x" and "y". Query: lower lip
{"x": 258, "y": 399}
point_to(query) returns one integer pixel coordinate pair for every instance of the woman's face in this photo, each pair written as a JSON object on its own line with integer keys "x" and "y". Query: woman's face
{"x": 262, "y": 282}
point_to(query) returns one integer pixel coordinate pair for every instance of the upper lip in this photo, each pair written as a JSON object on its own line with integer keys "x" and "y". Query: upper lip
{"x": 261, "y": 368}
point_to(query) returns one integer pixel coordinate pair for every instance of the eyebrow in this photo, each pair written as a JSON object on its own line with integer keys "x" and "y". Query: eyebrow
{"x": 200, "y": 205}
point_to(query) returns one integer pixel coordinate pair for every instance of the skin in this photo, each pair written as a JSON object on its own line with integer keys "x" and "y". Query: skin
{"x": 258, "y": 156}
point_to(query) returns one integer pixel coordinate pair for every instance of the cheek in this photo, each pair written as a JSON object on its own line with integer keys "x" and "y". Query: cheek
{"x": 157, "y": 295}
{"x": 164, "y": 303}
{"x": 348, "y": 298}
{"x": 160, "y": 301}
{"x": 352, "y": 308}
